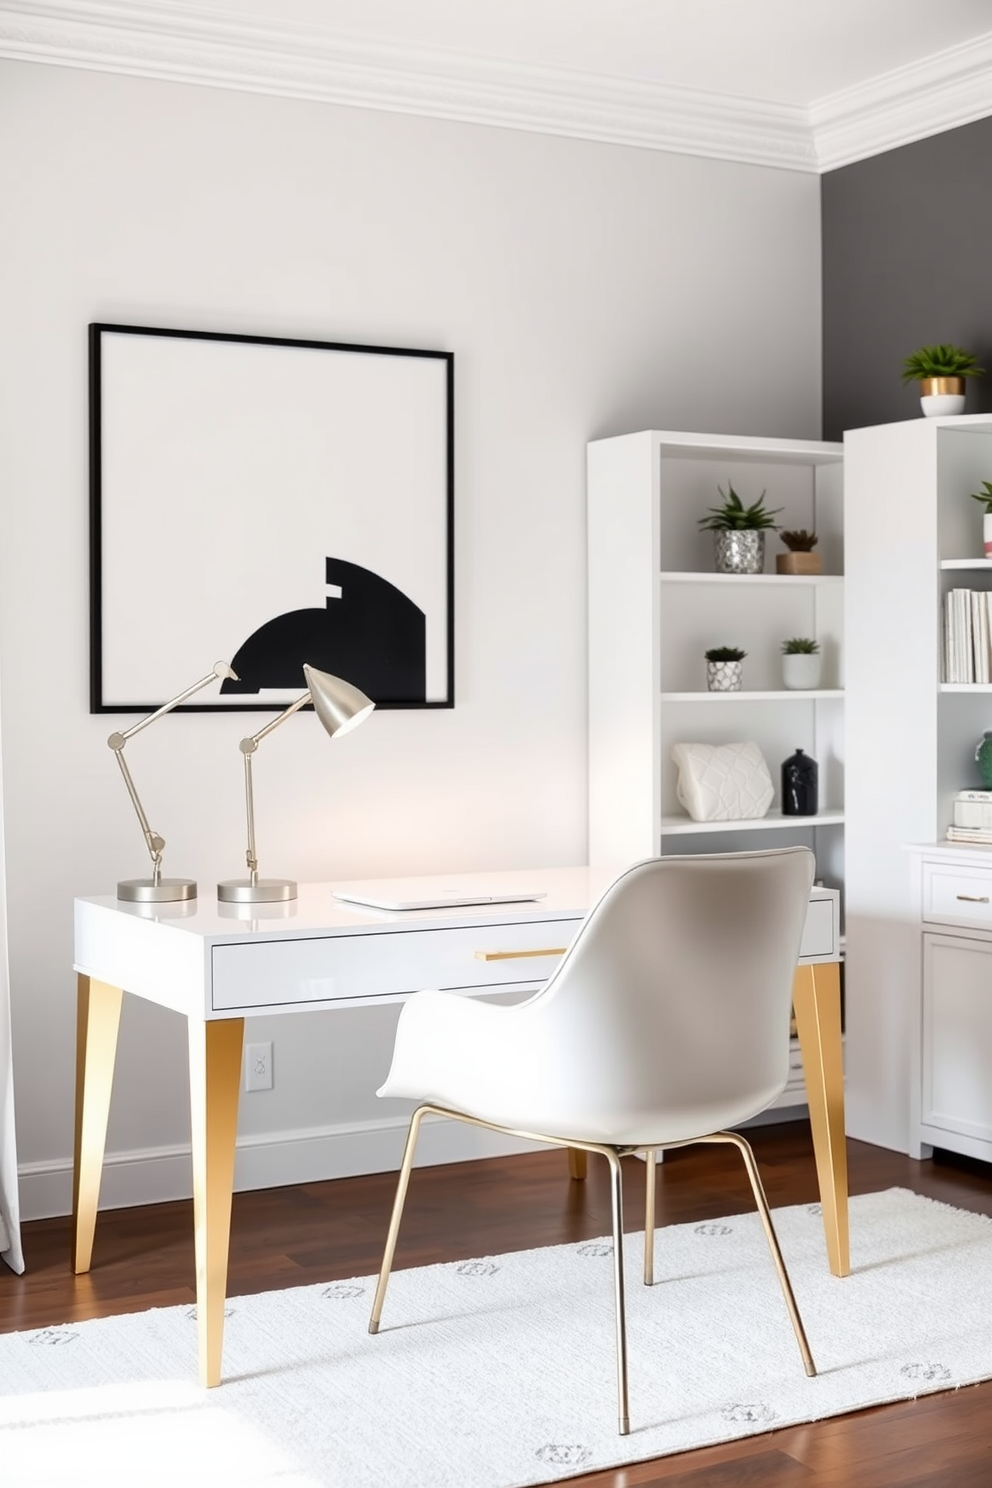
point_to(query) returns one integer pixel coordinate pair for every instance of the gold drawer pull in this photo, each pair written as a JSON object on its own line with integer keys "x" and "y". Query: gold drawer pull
{"x": 515, "y": 955}
{"x": 974, "y": 898}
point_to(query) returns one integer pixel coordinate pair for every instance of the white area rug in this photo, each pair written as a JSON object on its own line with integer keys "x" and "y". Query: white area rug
{"x": 500, "y": 1372}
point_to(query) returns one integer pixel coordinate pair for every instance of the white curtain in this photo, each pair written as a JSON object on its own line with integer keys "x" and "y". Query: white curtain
{"x": 10, "y": 1229}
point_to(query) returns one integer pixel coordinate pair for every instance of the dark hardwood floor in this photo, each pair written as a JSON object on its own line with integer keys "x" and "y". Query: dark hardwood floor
{"x": 327, "y": 1231}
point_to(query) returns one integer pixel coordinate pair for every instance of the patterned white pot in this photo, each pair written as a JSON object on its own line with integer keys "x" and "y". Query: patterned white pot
{"x": 987, "y": 534}
{"x": 740, "y": 552}
{"x": 723, "y": 676}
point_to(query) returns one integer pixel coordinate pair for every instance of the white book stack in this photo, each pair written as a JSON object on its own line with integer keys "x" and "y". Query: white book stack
{"x": 972, "y": 817}
{"x": 968, "y": 636}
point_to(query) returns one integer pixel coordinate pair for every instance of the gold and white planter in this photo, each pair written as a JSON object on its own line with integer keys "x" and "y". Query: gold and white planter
{"x": 940, "y": 397}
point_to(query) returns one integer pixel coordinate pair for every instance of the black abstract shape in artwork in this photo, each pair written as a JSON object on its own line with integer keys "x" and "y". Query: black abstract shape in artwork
{"x": 370, "y": 633}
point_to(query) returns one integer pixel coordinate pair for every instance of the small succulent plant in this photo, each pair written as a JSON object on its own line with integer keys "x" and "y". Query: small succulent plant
{"x": 985, "y": 496}
{"x": 800, "y": 646}
{"x": 799, "y": 541}
{"x": 734, "y": 516}
{"x": 725, "y": 653}
{"x": 940, "y": 361}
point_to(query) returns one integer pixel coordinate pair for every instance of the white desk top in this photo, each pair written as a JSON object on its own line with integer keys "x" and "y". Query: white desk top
{"x": 569, "y": 893}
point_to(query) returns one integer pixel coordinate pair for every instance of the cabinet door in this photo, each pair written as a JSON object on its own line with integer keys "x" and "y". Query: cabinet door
{"x": 957, "y": 1036}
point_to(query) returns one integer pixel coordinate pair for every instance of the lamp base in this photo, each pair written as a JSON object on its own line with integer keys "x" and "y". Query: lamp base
{"x": 147, "y": 891}
{"x": 262, "y": 891}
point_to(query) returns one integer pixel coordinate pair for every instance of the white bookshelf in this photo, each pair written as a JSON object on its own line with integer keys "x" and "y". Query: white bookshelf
{"x": 656, "y": 605}
{"x": 912, "y": 533}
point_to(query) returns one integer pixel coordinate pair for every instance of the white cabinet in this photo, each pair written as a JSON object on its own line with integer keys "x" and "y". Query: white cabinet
{"x": 956, "y": 1064}
{"x": 951, "y": 1101}
{"x": 911, "y": 532}
{"x": 656, "y": 605}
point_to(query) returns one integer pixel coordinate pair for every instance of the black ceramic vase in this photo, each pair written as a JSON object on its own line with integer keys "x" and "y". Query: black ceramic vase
{"x": 800, "y": 792}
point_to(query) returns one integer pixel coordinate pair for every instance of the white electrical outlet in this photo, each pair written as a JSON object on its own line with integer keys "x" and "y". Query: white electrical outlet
{"x": 258, "y": 1066}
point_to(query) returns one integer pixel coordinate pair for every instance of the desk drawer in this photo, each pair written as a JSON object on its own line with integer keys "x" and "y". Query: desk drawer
{"x": 384, "y": 963}
{"x": 957, "y": 894}
{"x": 818, "y": 931}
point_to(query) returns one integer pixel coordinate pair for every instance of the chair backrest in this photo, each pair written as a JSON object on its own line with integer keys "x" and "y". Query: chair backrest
{"x": 674, "y": 999}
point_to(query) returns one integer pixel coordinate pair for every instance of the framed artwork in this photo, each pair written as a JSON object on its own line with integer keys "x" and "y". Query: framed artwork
{"x": 268, "y": 502}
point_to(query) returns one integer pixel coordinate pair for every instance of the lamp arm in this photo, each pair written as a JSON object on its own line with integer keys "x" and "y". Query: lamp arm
{"x": 153, "y": 840}
{"x": 248, "y": 747}
{"x": 221, "y": 670}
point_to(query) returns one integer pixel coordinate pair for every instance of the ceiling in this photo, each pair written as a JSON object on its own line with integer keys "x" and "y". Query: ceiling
{"x": 806, "y": 84}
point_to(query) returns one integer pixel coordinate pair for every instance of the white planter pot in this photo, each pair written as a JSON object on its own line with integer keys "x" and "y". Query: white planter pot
{"x": 801, "y": 671}
{"x": 987, "y": 534}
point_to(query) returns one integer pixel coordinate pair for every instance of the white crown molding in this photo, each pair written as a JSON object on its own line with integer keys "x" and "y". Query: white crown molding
{"x": 174, "y": 42}
{"x": 950, "y": 88}
{"x": 178, "y": 42}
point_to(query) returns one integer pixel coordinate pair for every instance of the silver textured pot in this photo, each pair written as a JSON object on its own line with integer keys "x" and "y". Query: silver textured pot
{"x": 723, "y": 676}
{"x": 739, "y": 552}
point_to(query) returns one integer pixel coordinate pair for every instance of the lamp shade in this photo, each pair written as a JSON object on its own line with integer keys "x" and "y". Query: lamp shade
{"x": 337, "y": 704}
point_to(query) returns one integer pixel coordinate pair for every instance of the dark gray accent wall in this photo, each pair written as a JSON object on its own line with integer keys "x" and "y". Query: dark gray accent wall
{"x": 907, "y": 261}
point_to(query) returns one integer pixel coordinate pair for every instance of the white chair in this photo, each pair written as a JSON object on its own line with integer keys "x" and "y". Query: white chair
{"x": 666, "y": 1022}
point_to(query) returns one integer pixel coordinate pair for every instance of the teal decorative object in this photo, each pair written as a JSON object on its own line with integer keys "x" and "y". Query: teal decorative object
{"x": 983, "y": 759}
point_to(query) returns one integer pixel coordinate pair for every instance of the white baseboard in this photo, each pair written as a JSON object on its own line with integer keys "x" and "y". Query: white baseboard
{"x": 159, "y": 1174}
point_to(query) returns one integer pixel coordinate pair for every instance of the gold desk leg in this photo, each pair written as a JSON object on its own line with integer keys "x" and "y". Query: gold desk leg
{"x": 816, "y": 1004}
{"x": 214, "y": 1080}
{"x": 578, "y": 1162}
{"x": 98, "y": 1021}
{"x": 650, "y": 1186}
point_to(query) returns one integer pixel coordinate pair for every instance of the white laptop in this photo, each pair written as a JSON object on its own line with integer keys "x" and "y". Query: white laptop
{"x": 413, "y": 893}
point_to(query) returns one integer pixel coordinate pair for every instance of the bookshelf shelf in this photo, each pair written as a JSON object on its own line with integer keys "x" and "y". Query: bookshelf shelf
{"x": 684, "y": 826}
{"x": 744, "y": 581}
{"x": 769, "y": 695}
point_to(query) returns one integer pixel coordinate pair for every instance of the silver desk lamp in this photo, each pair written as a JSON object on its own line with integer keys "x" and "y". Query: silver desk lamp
{"x": 157, "y": 890}
{"x": 340, "y": 707}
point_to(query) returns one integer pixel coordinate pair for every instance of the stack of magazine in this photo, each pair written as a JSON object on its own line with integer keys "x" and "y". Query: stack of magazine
{"x": 967, "y": 635}
{"x": 972, "y": 817}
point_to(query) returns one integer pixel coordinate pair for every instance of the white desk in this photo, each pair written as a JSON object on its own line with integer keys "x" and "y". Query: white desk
{"x": 217, "y": 967}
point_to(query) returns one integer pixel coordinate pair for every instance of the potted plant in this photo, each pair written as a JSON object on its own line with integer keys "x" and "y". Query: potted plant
{"x": 800, "y": 663}
{"x": 739, "y": 532}
{"x": 985, "y": 497}
{"x": 800, "y": 559}
{"x": 941, "y": 372}
{"x": 723, "y": 668}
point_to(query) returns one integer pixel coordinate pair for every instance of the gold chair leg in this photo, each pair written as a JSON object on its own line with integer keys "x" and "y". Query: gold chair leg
{"x": 578, "y": 1163}
{"x": 397, "y": 1214}
{"x": 766, "y": 1219}
{"x": 616, "y": 1191}
{"x": 650, "y": 1178}
{"x": 816, "y": 1004}
{"x": 98, "y": 1020}
{"x": 214, "y": 1083}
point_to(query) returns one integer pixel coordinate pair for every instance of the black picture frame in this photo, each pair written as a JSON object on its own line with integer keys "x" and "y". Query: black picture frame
{"x": 233, "y": 478}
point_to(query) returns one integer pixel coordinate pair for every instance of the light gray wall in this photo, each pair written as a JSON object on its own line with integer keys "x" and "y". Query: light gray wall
{"x": 585, "y": 290}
